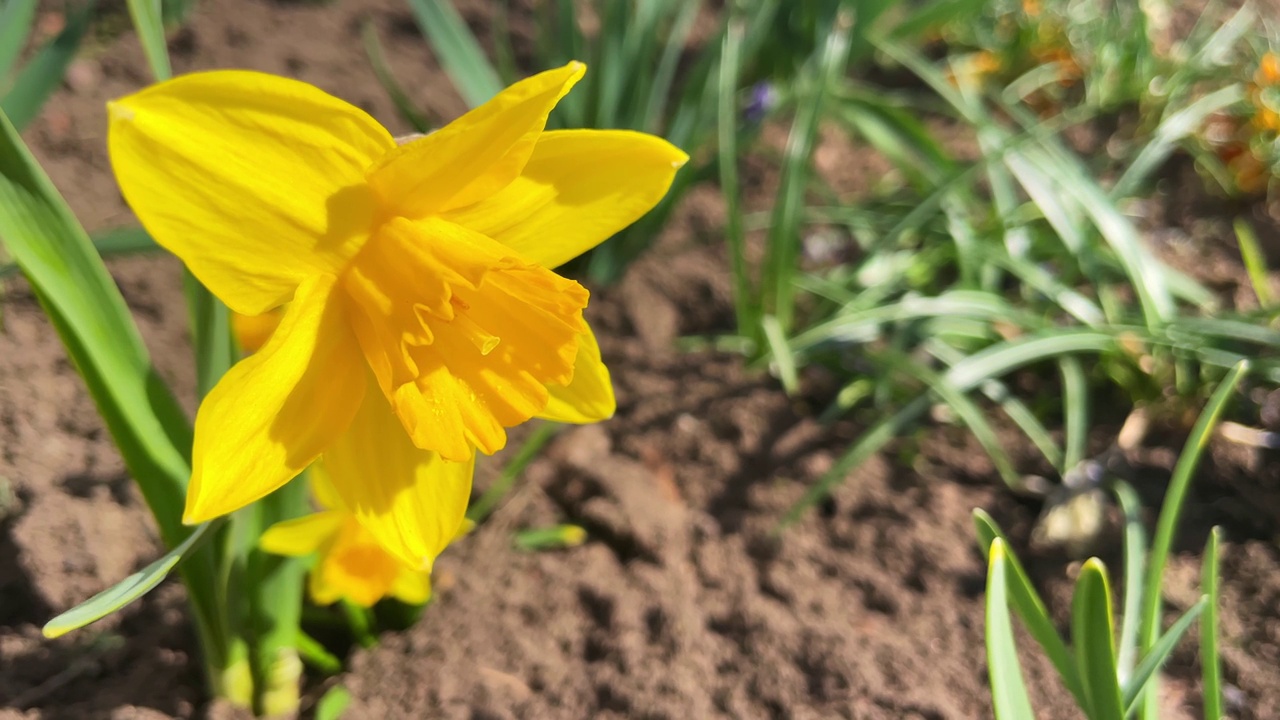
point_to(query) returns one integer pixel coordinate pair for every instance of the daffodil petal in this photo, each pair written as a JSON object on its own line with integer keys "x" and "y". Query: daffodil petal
{"x": 412, "y": 587}
{"x": 578, "y": 189}
{"x": 300, "y": 536}
{"x": 255, "y": 181}
{"x": 274, "y": 412}
{"x": 588, "y": 397}
{"x": 409, "y": 499}
{"x": 354, "y": 566}
{"x": 474, "y": 156}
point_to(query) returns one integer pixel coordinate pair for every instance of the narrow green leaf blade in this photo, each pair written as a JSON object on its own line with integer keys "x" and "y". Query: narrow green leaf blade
{"x": 1029, "y": 606}
{"x": 1135, "y": 546}
{"x": 378, "y": 60}
{"x": 16, "y": 19}
{"x": 1156, "y": 658}
{"x": 333, "y": 703}
{"x": 1008, "y": 691}
{"x": 126, "y": 591}
{"x": 40, "y": 77}
{"x": 1092, "y": 632}
{"x": 148, "y": 22}
{"x": 1210, "y": 662}
{"x": 457, "y": 49}
{"x": 120, "y": 241}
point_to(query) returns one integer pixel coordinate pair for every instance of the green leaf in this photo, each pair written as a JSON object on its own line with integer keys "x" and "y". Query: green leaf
{"x": 784, "y": 361}
{"x": 378, "y": 60}
{"x": 148, "y": 23}
{"x": 1030, "y": 608}
{"x": 333, "y": 703}
{"x": 16, "y": 18}
{"x": 457, "y": 49}
{"x": 1170, "y": 511}
{"x": 125, "y": 591}
{"x": 1092, "y": 633}
{"x": 550, "y": 538}
{"x": 45, "y": 240}
{"x": 120, "y": 241}
{"x": 1008, "y": 692}
{"x": 1135, "y": 542}
{"x": 1255, "y": 262}
{"x": 1210, "y": 662}
{"x": 1156, "y": 658}
{"x": 1171, "y": 131}
{"x": 40, "y": 77}
{"x": 783, "y": 239}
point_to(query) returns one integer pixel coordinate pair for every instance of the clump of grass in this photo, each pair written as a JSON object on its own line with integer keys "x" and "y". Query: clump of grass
{"x": 1109, "y": 679}
{"x": 956, "y": 274}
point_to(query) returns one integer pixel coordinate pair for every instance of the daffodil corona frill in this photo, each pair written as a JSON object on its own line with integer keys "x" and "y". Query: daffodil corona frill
{"x": 423, "y": 317}
{"x": 351, "y": 564}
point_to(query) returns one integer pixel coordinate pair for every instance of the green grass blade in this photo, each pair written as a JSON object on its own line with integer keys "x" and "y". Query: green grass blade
{"x": 1170, "y": 512}
{"x": 784, "y": 230}
{"x": 1255, "y": 262}
{"x": 148, "y": 22}
{"x": 784, "y": 361}
{"x": 727, "y": 127}
{"x": 997, "y": 360}
{"x": 40, "y": 77}
{"x": 972, "y": 416}
{"x": 488, "y": 502}
{"x": 1075, "y": 409}
{"x": 378, "y": 61}
{"x": 1171, "y": 131}
{"x": 1017, "y": 410}
{"x": 1030, "y": 608}
{"x": 1092, "y": 632}
{"x": 457, "y": 49}
{"x": 1155, "y": 659}
{"x": 1135, "y": 551}
{"x": 866, "y": 446}
{"x": 664, "y": 76}
{"x": 16, "y": 18}
{"x": 126, "y": 591}
{"x": 1210, "y": 661}
{"x": 1008, "y": 692}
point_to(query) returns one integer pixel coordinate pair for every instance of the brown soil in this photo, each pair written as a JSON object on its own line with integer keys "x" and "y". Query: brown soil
{"x": 683, "y": 603}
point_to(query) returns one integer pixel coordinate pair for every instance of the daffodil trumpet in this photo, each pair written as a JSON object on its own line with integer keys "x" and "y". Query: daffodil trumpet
{"x": 422, "y": 316}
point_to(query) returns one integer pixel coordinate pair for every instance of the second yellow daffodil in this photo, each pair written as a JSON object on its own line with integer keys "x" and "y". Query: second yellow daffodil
{"x": 423, "y": 317}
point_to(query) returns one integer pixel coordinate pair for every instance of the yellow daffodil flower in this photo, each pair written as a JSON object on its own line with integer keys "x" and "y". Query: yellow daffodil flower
{"x": 352, "y": 564}
{"x": 422, "y": 315}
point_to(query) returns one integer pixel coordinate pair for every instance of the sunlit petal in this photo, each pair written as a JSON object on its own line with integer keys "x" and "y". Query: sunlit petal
{"x": 274, "y": 412}
{"x": 409, "y": 499}
{"x": 255, "y": 181}
{"x": 411, "y": 586}
{"x": 579, "y": 188}
{"x": 301, "y": 536}
{"x": 589, "y": 397}
{"x": 475, "y": 155}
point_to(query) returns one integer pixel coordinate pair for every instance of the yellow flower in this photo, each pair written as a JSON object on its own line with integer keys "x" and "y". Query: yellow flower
{"x": 423, "y": 317}
{"x": 352, "y": 565}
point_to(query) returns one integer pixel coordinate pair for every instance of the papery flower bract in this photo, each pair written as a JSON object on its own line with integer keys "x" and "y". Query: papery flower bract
{"x": 352, "y": 564}
{"x": 421, "y": 269}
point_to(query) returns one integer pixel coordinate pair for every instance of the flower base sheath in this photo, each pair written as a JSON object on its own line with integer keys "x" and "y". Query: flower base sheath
{"x": 422, "y": 313}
